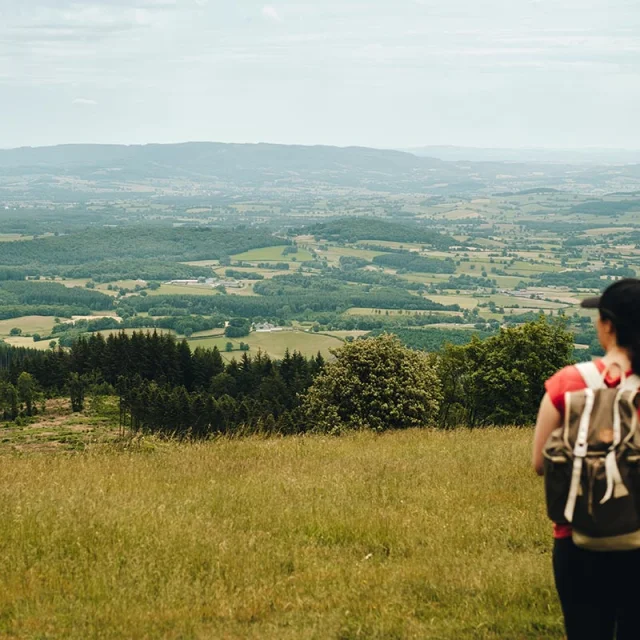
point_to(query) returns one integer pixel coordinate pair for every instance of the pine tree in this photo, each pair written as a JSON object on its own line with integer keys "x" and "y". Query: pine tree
{"x": 26, "y": 388}
{"x": 77, "y": 385}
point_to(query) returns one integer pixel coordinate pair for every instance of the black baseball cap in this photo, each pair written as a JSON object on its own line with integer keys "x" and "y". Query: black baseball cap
{"x": 620, "y": 301}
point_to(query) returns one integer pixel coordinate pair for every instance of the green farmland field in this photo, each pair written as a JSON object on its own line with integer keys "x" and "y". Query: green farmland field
{"x": 275, "y": 344}
{"x": 23, "y": 341}
{"x": 273, "y": 254}
{"x": 29, "y": 324}
{"x": 183, "y": 290}
{"x": 417, "y": 534}
{"x": 13, "y": 237}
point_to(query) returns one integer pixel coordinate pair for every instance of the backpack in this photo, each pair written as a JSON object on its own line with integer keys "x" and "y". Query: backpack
{"x": 592, "y": 464}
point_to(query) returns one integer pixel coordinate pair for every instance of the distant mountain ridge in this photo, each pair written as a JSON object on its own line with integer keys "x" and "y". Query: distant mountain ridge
{"x": 201, "y": 154}
{"x": 115, "y": 171}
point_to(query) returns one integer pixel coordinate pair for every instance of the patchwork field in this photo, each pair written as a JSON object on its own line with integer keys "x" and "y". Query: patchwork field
{"x": 418, "y": 534}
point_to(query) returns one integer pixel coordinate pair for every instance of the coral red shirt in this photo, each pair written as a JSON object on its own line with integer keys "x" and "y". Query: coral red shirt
{"x": 569, "y": 379}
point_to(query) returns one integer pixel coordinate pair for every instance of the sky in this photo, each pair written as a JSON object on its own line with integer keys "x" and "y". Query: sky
{"x": 380, "y": 73}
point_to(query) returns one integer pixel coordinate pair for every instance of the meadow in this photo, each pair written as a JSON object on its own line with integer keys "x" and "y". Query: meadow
{"x": 415, "y": 534}
{"x": 273, "y": 254}
{"x": 273, "y": 344}
{"x": 183, "y": 290}
{"x": 28, "y": 324}
{"x": 28, "y": 342}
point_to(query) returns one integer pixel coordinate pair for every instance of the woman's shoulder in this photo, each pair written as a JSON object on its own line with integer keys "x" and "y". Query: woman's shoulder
{"x": 571, "y": 375}
{"x": 563, "y": 381}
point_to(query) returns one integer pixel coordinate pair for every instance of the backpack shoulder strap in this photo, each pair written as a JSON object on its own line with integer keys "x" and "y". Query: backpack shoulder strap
{"x": 632, "y": 383}
{"x": 591, "y": 375}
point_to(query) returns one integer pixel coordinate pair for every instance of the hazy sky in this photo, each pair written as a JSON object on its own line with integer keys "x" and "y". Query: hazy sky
{"x": 386, "y": 73}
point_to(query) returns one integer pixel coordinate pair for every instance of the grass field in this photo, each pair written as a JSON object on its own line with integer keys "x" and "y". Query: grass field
{"x": 29, "y": 324}
{"x": 13, "y": 237}
{"x": 23, "y": 341}
{"x": 183, "y": 290}
{"x": 120, "y": 284}
{"x": 275, "y": 344}
{"x": 333, "y": 254}
{"x": 417, "y": 534}
{"x": 273, "y": 254}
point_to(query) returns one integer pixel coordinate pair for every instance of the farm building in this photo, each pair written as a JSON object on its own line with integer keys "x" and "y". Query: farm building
{"x": 265, "y": 327}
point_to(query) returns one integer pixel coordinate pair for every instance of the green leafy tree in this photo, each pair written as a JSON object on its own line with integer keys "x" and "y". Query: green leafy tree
{"x": 501, "y": 380}
{"x": 376, "y": 383}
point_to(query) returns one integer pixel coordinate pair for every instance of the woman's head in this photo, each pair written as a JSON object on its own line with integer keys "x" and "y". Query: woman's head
{"x": 619, "y": 319}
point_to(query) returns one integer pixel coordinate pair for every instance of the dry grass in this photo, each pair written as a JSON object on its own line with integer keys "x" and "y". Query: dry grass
{"x": 28, "y": 324}
{"x": 24, "y": 341}
{"x": 407, "y": 535}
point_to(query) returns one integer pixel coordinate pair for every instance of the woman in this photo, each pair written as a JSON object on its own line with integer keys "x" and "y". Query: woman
{"x": 599, "y": 591}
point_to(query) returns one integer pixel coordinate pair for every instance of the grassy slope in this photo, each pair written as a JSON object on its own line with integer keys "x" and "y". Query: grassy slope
{"x": 407, "y": 535}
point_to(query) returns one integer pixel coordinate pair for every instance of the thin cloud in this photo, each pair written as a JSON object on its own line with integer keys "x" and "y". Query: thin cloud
{"x": 270, "y": 13}
{"x": 84, "y": 101}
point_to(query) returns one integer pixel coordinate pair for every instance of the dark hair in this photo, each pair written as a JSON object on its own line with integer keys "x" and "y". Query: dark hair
{"x": 628, "y": 337}
{"x": 620, "y": 303}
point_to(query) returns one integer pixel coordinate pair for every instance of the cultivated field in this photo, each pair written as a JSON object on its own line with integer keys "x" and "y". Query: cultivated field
{"x": 418, "y": 534}
{"x": 273, "y": 254}
{"x": 184, "y": 290}
{"x": 28, "y": 324}
{"x": 13, "y": 237}
{"x": 25, "y": 341}
{"x": 274, "y": 344}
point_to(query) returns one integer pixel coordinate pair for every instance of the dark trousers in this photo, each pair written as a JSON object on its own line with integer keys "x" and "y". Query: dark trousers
{"x": 599, "y": 592}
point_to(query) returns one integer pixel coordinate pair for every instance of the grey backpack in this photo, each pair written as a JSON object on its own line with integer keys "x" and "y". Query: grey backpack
{"x": 592, "y": 464}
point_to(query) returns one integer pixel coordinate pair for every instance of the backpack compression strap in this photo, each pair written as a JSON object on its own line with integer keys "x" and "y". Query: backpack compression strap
{"x": 615, "y": 485}
{"x": 593, "y": 379}
{"x": 579, "y": 452}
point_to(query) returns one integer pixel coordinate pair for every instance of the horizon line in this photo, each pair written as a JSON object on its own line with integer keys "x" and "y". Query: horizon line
{"x": 338, "y": 146}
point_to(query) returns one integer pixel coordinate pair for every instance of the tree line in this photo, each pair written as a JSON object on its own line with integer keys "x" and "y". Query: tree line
{"x": 353, "y": 229}
{"x": 95, "y": 245}
{"x": 37, "y": 293}
{"x": 410, "y": 261}
{"x": 165, "y": 387}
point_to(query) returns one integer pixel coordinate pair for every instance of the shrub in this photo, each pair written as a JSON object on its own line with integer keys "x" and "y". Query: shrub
{"x": 376, "y": 383}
